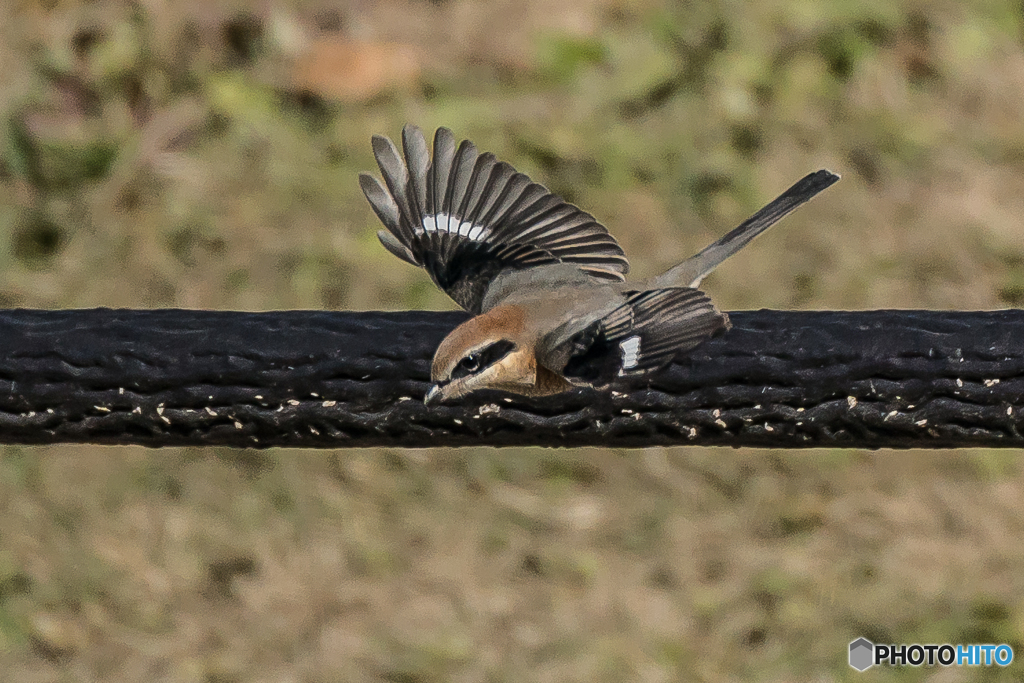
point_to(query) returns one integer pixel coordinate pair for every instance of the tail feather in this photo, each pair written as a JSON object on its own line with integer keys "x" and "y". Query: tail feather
{"x": 690, "y": 272}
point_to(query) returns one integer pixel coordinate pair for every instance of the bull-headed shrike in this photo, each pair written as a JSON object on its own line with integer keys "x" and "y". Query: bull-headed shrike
{"x": 543, "y": 279}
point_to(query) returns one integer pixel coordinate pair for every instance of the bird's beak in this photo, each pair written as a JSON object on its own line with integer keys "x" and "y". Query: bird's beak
{"x": 433, "y": 395}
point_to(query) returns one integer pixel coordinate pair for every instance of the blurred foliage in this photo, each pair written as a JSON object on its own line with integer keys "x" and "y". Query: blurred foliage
{"x": 205, "y": 155}
{"x": 128, "y": 126}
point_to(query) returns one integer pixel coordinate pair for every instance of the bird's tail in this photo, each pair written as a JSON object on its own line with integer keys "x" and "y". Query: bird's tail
{"x": 690, "y": 272}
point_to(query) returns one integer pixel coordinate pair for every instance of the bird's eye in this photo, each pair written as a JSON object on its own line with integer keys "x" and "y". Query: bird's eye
{"x": 478, "y": 361}
{"x": 471, "y": 363}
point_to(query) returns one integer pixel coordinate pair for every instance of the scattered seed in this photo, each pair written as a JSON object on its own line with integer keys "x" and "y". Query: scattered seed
{"x": 160, "y": 409}
{"x": 851, "y": 401}
{"x": 292, "y": 402}
{"x": 921, "y": 423}
{"x": 258, "y": 397}
{"x": 120, "y": 390}
{"x": 721, "y": 423}
{"x": 894, "y": 413}
{"x": 959, "y": 382}
{"x": 165, "y": 419}
{"x": 457, "y": 421}
{"x": 489, "y": 409}
{"x": 102, "y": 409}
{"x": 238, "y": 425}
{"x": 331, "y": 404}
{"x": 313, "y": 429}
{"x": 991, "y": 382}
{"x": 211, "y": 411}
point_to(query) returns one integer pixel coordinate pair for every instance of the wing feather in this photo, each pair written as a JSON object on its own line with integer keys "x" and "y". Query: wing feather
{"x": 418, "y": 157}
{"x": 465, "y": 217}
{"x": 642, "y": 335}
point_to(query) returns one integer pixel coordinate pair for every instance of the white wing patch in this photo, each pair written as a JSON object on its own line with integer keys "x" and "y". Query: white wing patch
{"x": 630, "y": 353}
{"x": 442, "y": 222}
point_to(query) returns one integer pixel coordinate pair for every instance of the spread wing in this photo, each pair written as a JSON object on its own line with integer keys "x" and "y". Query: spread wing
{"x": 642, "y": 335}
{"x": 465, "y": 217}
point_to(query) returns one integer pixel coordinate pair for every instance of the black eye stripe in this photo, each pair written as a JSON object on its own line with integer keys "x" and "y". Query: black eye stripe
{"x": 482, "y": 359}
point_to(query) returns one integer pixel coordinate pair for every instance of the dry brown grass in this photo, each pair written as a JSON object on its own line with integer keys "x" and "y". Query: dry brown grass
{"x": 162, "y": 155}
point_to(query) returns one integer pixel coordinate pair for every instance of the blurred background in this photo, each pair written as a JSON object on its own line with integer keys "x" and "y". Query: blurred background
{"x": 204, "y": 154}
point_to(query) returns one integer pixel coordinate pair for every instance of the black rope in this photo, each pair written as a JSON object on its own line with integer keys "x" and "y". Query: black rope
{"x": 779, "y": 379}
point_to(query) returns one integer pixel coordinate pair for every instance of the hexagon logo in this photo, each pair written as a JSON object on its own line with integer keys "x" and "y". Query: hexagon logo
{"x": 861, "y": 654}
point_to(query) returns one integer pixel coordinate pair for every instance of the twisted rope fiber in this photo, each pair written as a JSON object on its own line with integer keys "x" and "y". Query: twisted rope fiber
{"x": 780, "y": 379}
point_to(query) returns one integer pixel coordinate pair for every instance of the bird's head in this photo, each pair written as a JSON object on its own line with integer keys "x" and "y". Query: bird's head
{"x": 485, "y": 352}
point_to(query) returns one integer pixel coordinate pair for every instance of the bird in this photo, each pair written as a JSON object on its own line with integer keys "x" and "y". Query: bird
{"x": 543, "y": 279}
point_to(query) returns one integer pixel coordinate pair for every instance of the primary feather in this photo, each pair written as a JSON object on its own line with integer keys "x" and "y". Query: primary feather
{"x": 466, "y": 217}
